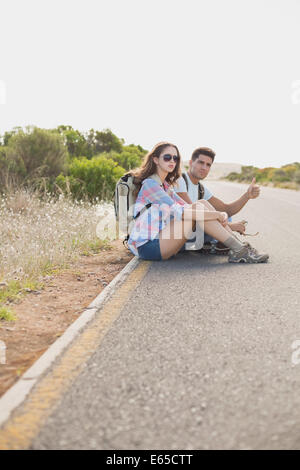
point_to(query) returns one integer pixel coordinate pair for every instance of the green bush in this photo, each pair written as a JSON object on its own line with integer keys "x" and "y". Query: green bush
{"x": 131, "y": 156}
{"x": 263, "y": 174}
{"x": 74, "y": 140}
{"x": 233, "y": 176}
{"x": 104, "y": 141}
{"x": 280, "y": 176}
{"x": 95, "y": 178}
{"x": 35, "y": 153}
{"x": 296, "y": 176}
{"x": 3, "y": 166}
{"x": 286, "y": 176}
{"x": 56, "y": 160}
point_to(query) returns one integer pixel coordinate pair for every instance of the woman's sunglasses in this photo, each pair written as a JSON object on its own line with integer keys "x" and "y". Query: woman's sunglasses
{"x": 168, "y": 158}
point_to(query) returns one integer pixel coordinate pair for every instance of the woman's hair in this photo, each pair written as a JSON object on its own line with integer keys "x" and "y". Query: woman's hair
{"x": 149, "y": 167}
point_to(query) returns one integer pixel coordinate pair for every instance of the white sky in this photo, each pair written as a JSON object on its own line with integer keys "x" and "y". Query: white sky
{"x": 211, "y": 73}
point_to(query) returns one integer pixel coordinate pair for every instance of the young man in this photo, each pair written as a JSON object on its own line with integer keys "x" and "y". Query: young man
{"x": 199, "y": 167}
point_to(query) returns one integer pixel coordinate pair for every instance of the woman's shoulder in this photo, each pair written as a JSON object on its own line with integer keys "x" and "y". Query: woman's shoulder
{"x": 156, "y": 182}
{"x": 152, "y": 181}
{"x": 148, "y": 185}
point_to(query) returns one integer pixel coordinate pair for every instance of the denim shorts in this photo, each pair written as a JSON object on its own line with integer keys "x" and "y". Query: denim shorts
{"x": 150, "y": 250}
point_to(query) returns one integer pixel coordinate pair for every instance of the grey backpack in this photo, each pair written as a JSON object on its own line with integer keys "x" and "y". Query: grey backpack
{"x": 124, "y": 200}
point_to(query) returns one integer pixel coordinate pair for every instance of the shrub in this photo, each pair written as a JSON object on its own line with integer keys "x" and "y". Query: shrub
{"x": 131, "y": 156}
{"x": 95, "y": 178}
{"x": 35, "y": 153}
{"x": 287, "y": 176}
{"x": 74, "y": 140}
{"x": 233, "y": 176}
{"x": 280, "y": 176}
{"x": 104, "y": 141}
{"x": 296, "y": 177}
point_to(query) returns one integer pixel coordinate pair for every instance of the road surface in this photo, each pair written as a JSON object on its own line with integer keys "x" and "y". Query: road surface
{"x": 201, "y": 354}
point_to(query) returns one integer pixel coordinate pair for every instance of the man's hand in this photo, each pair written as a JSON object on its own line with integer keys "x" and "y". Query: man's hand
{"x": 253, "y": 190}
{"x": 238, "y": 227}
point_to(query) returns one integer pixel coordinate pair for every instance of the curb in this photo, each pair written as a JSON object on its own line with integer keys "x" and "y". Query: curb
{"x": 19, "y": 391}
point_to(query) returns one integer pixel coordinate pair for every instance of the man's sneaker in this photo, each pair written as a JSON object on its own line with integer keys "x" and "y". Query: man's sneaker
{"x": 220, "y": 249}
{"x": 247, "y": 254}
{"x": 210, "y": 248}
{"x": 206, "y": 248}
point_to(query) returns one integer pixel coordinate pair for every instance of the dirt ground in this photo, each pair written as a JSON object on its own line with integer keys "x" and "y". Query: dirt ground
{"x": 43, "y": 316}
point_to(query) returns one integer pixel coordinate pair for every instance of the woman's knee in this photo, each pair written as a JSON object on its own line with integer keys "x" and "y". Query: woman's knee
{"x": 207, "y": 204}
{"x": 201, "y": 203}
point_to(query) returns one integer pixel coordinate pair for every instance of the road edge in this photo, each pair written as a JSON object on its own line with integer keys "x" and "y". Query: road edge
{"x": 18, "y": 392}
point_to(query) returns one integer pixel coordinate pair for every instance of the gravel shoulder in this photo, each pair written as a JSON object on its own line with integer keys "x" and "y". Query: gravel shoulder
{"x": 44, "y": 315}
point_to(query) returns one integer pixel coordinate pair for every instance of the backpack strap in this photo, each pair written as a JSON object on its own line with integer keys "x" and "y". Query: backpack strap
{"x": 184, "y": 176}
{"x": 200, "y": 190}
{"x": 125, "y": 241}
{"x": 156, "y": 178}
{"x": 142, "y": 210}
{"x": 200, "y": 186}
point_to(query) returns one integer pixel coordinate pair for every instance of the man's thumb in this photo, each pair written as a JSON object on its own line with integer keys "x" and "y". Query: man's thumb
{"x": 253, "y": 181}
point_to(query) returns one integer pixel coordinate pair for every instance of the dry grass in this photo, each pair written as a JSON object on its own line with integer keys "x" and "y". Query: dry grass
{"x": 38, "y": 237}
{"x": 288, "y": 185}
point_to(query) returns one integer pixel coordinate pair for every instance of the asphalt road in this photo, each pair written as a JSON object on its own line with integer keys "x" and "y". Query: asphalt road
{"x": 201, "y": 356}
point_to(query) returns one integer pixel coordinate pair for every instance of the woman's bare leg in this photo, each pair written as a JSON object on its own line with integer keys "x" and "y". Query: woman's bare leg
{"x": 175, "y": 234}
{"x": 211, "y": 208}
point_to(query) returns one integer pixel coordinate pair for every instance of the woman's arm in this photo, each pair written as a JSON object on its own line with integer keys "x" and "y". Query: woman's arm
{"x": 197, "y": 211}
{"x": 185, "y": 198}
{"x": 154, "y": 193}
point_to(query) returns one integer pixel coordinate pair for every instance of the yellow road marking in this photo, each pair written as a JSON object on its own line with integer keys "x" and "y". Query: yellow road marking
{"x": 26, "y": 422}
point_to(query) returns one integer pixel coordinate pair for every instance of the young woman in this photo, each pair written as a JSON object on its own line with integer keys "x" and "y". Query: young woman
{"x": 164, "y": 221}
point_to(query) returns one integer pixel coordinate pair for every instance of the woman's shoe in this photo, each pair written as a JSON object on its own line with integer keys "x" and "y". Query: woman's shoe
{"x": 247, "y": 254}
{"x": 254, "y": 250}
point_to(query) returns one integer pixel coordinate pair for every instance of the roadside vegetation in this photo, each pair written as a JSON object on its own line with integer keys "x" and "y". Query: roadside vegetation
{"x": 287, "y": 176}
{"x": 55, "y": 186}
{"x": 65, "y": 161}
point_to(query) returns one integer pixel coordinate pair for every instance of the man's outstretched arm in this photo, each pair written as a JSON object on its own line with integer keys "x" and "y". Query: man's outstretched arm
{"x": 235, "y": 206}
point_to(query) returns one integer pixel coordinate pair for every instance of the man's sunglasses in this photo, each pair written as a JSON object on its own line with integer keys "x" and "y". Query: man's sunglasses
{"x": 168, "y": 158}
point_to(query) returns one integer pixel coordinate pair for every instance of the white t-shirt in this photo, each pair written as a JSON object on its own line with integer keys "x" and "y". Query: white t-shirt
{"x": 193, "y": 189}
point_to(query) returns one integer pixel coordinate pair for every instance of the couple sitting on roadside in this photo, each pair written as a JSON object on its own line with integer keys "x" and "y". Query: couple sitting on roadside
{"x": 168, "y": 209}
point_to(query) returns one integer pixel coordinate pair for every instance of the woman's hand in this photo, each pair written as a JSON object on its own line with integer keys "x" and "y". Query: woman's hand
{"x": 223, "y": 218}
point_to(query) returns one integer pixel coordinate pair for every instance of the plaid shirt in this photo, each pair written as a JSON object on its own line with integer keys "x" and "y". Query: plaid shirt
{"x": 166, "y": 205}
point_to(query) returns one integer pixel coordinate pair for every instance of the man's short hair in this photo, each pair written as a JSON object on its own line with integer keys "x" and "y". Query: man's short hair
{"x": 203, "y": 151}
